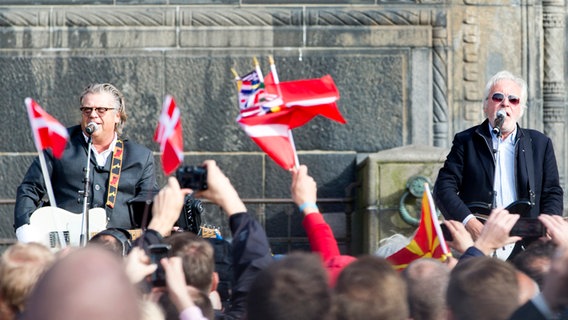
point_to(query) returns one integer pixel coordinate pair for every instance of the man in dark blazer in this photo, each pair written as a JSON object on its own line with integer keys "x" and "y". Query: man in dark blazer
{"x": 497, "y": 162}
{"x": 130, "y": 165}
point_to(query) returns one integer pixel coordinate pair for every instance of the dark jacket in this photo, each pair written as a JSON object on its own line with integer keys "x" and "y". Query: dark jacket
{"x": 468, "y": 173}
{"x": 137, "y": 174}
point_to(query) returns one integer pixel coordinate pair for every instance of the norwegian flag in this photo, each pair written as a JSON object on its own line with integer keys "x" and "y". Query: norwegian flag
{"x": 169, "y": 135}
{"x": 47, "y": 131}
{"x": 279, "y": 107}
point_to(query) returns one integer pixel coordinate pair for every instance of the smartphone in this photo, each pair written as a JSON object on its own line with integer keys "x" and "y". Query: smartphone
{"x": 528, "y": 227}
{"x": 157, "y": 252}
{"x": 446, "y": 232}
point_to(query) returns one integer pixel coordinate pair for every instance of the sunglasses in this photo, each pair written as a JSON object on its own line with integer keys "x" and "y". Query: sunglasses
{"x": 101, "y": 111}
{"x": 499, "y": 97}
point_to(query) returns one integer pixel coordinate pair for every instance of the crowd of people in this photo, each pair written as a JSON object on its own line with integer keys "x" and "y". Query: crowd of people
{"x": 116, "y": 277}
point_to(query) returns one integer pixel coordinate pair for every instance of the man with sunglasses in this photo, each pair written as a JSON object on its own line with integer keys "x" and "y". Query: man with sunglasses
{"x": 119, "y": 169}
{"x": 497, "y": 162}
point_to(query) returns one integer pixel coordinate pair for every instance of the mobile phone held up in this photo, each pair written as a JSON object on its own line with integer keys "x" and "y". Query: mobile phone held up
{"x": 157, "y": 252}
{"x": 528, "y": 227}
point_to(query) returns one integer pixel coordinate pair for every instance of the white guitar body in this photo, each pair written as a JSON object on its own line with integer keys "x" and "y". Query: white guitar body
{"x": 504, "y": 253}
{"x": 46, "y": 222}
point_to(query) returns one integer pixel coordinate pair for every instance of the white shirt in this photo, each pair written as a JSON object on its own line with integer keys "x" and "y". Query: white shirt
{"x": 102, "y": 157}
{"x": 505, "y": 184}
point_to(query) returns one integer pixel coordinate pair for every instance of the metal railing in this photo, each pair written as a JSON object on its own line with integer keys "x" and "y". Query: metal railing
{"x": 289, "y": 241}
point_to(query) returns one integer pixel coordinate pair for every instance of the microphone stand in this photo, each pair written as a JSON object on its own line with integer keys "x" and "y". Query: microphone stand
{"x": 85, "y": 193}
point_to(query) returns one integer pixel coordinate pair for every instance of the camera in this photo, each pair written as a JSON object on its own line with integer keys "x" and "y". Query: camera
{"x": 190, "y": 217}
{"x": 192, "y": 177}
{"x": 528, "y": 227}
{"x": 157, "y": 252}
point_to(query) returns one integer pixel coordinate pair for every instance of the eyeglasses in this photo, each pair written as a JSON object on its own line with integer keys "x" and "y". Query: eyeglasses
{"x": 100, "y": 110}
{"x": 499, "y": 97}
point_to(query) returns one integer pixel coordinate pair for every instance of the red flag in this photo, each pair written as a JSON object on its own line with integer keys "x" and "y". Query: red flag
{"x": 280, "y": 107}
{"x": 273, "y": 138}
{"x": 169, "y": 135}
{"x": 47, "y": 131}
{"x": 307, "y": 98}
{"x": 428, "y": 241}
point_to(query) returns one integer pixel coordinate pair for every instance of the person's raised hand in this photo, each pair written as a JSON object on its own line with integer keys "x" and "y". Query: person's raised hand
{"x": 304, "y": 189}
{"x": 167, "y": 207}
{"x": 495, "y": 233}
{"x": 138, "y": 265}
{"x": 557, "y": 228}
{"x": 461, "y": 238}
{"x": 175, "y": 282}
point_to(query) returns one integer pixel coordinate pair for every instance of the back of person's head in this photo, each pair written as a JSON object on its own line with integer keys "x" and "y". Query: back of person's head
{"x": 198, "y": 259}
{"x": 528, "y": 288}
{"x": 535, "y": 260}
{"x": 426, "y": 282}
{"x": 482, "y": 288}
{"x": 89, "y": 283}
{"x": 21, "y": 265}
{"x": 370, "y": 288}
{"x": 295, "y": 287}
{"x": 117, "y": 240}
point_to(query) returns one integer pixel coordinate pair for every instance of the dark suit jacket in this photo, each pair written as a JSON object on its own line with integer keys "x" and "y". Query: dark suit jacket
{"x": 137, "y": 174}
{"x": 468, "y": 173}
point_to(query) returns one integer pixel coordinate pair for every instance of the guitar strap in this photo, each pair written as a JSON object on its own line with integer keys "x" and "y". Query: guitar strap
{"x": 115, "y": 168}
{"x": 530, "y": 166}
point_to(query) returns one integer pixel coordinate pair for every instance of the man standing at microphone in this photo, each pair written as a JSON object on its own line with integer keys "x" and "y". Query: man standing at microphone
{"x": 498, "y": 162}
{"x": 119, "y": 169}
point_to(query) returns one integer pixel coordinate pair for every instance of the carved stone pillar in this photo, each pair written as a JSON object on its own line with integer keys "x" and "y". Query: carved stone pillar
{"x": 554, "y": 88}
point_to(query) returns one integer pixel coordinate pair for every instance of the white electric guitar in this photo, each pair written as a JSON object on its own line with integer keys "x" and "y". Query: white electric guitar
{"x": 46, "y": 222}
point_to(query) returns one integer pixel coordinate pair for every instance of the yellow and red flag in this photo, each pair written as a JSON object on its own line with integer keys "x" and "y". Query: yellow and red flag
{"x": 428, "y": 241}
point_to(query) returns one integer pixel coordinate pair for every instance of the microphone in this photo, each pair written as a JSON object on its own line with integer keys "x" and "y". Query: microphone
{"x": 91, "y": 127}
{"x": 501, "y": 114}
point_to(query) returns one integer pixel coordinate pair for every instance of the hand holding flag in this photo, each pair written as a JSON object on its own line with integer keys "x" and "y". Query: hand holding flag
{"x": 169, "y": 135}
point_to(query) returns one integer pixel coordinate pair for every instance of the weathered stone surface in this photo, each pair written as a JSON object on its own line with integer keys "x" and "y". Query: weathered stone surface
{"x": 408, "y": 72}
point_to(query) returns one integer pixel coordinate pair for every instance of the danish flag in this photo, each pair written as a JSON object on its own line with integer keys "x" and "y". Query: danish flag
{"x": 47, "y": 131}
{"x": 169, "y": 135}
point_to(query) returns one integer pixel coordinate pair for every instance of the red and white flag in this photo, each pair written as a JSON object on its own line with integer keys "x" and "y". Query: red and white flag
{"x": 47, "y": 131}
{"x": 169, "y": 135}
{"x": 273, "y": 137}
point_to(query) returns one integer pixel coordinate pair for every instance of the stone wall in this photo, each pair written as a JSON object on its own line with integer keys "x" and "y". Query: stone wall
{"x": 409, "y": 72}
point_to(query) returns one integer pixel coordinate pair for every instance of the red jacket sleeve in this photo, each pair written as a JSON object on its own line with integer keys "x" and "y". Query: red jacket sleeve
{"x": 320, "y": 236}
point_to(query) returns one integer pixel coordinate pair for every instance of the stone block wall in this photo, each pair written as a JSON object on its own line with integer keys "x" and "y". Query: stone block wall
{"x": 409, "y": 73}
